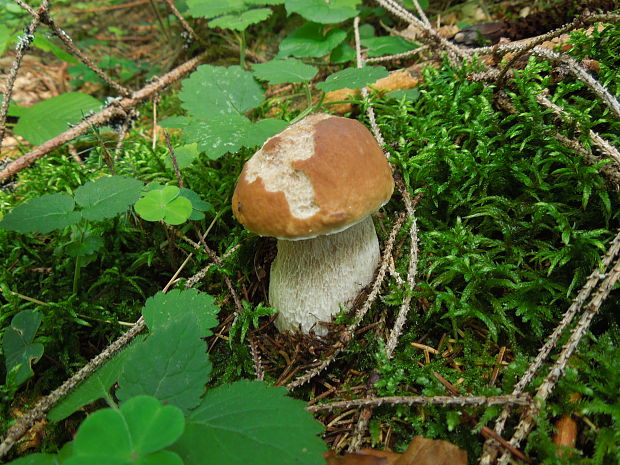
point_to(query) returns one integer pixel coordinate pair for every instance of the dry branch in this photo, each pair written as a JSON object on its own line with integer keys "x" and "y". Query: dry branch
{"x": 423, "y": 400}
{"x": 22, "y": 45}
{"x": 528, "y": 419}
{"x": 117, "y": 109}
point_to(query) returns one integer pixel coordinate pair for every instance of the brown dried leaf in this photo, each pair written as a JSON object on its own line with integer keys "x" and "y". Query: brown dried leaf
{"x": 566, "y": 433}
{"x": 423, "y": 451}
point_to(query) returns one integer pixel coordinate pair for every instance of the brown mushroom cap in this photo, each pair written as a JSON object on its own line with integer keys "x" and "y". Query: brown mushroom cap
{"x": 318, "y": 176}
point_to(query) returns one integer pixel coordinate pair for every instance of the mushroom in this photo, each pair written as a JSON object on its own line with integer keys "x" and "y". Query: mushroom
{"x": 313, "y": 186}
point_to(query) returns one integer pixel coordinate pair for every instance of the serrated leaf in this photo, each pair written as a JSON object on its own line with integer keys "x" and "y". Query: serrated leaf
{"x": 42, "y": 214}
{"x": 211, "y": 9}
{"x": 142, "y": 426}
{"x": 161, "y": 309}
{"x": 323, "y": 11}
{"x": 218, "y": 135}
{"x": 311, "y": 40}
{"x": 388, "y": 45}
{"x": 184, "y": 154}
{"x": 171, "y": 365}
{"x": 353, "y": 78}
{"x": 262, "y": 130}
{"x": 53, "y": 116}
{"x": 279, "y": 71}
{"x": 240, "y": 21}
{"x": 19, "y": 350}
{"x": 164, "y": 204}
{"x": 215, "y": 90}
{"x": 250, "y": 422}
{"x": 107, "y": 197}
{"x": 95, "y": 387}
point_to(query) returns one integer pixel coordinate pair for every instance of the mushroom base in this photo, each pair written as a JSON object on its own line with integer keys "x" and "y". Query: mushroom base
{"x": 312, "y": 279}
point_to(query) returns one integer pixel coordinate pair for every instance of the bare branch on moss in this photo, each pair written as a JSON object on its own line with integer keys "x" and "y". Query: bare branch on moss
{"x": 23, "y": 42}
{"x": 614, "y": 249}
{"x": 580, "y": 73}
{"x": 397, "y": 56}
{"x": 423, "y": 400}
{"x": 184, "y": 22}
{"x": 528, "y": 418}
{"x": 117, "y": 109}
{"x": 454, "y": 52}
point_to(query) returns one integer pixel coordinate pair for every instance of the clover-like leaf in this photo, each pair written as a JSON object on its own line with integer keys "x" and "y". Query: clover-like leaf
{"x": 161, "y": 309}
{"x": 164, "y": 204}
{"x": 280, "y": 71}
{"x": 250, "y": 422}
{"x": 95, "y": 387}
{"x": 311, "y": 40}
{"x": 322, "y": 11}
{"x": 141, "y": 427}
{"x": 36, "y": 459}
{"x": 107, "y": 197}
{"x": 42, "y": 214}
{"x": 215, "y": 90}
{"x": 198, "y": 205}
{"x": 19, "y": 350}
{"x": 172, "y": 365}
{"x": 353, "y": 78}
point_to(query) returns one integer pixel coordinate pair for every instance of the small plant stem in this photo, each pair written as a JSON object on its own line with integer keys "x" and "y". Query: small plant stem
{"x": 76, "y": 274}
{"x": 308, "y": 94}
{"x": 241, "y": 38}
{"x": 25, "y": 297}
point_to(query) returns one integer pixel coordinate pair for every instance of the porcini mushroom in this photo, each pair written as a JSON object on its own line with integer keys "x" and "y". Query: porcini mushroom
{"x": 313, "y": 186}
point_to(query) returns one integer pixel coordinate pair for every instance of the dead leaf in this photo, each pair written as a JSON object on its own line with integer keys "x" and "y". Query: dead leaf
{"x": 423, "y": 451}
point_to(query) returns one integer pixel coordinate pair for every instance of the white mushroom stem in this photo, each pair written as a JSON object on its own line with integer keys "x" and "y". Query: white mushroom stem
{"x": 312, "y": 279}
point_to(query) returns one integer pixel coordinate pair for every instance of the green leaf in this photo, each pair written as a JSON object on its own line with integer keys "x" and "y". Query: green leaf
{"x": 42, "y": 43}
{"x": 161, "y": 309}
{"x": 353, "y": 78}
{"x": 240, "y": 21}
{"x": 142, "y": 426}
{"x": 409, "y": 4}
{"x": 198, "y": 205}
{"x": 250, "y": 422}
{"x": 219, "y": 135}
{"x": 311, "y": 40}
{"x": 42, "y": 214}
{"x": 19, "y": 350}
{"x": 388, "y": 45}
{"x": 211, "y": 9}
{"x": 344, "y": 53}
{"x": 6, "y": 36}
{"x": 53, "y": 116}
{"x": 214, "y": 90}
{"x": 262, "y": 130}
{"x": 410, "y": 95}
{"x": 96, "y": 386}
{"x": 323, "y": 11}
{"x": 35, "y": 459}
{"x": 280, "y": 71}
{"x": 171, "y": 365}
{"x": 107, "y": 197}
{"x": 184, "y": 154}
{"x": 87, "y": 245}
{"x": 164, "y": 204}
